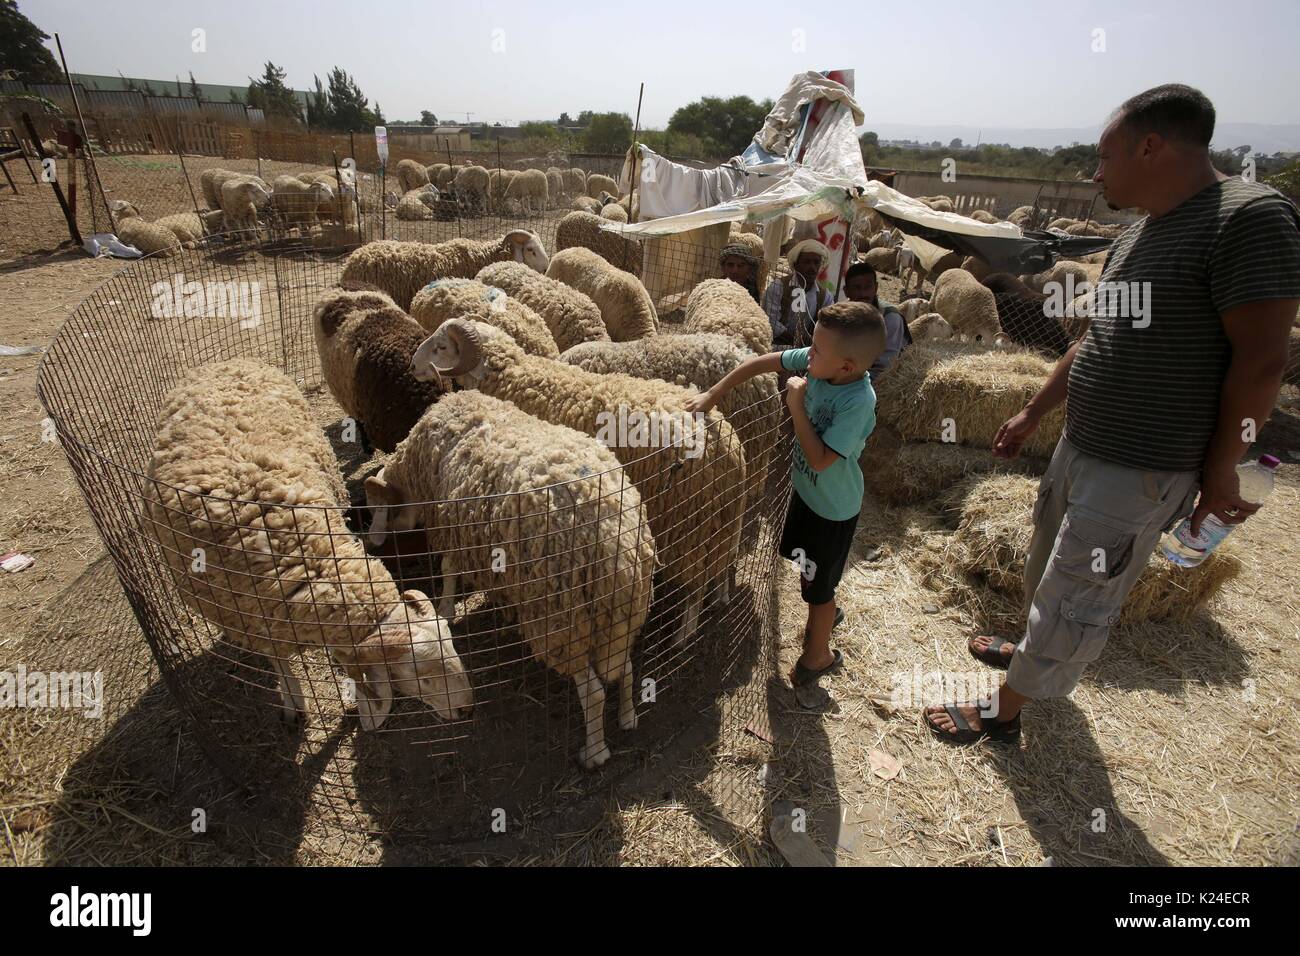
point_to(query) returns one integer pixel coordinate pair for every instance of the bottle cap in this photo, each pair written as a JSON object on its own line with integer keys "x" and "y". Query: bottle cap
{"x": 1269, "y": 461}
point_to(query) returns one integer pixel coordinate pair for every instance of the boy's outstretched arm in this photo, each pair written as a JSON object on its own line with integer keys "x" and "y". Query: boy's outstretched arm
{"x": 754, "y": 365}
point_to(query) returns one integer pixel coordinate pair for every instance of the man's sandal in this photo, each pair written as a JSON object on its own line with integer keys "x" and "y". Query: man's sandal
{"x": 999, "y": 731}
{"x": 807, "y": 675}
{"x": 991, "y": 655}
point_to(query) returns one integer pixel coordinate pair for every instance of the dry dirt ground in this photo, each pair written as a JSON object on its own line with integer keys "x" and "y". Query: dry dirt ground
{"x": 1179, "y": 747}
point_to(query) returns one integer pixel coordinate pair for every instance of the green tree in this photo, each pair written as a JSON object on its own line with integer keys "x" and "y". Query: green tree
{"x": 955, "y": 143}
{"x": 728, "y": 123}
{"x": 272, "y": 96}
{"x": 319, "y": 112}
{"x": 584, "y": 118}
{"x": 194, "y": 88}
{"x": 22, "y": 47}
{"x": 564, "y": 120}
{"x": 427, "y": 118}
{"x": 539, "y": 130}
{"x": 608, "y": 133}
{"x": 349, "y": 109}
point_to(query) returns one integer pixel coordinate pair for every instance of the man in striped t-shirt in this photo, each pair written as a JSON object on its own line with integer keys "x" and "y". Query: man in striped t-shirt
{"x": 1180, "y": 366}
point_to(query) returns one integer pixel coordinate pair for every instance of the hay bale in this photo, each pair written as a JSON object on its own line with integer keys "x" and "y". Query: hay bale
{"x": 994, "y": 528}
{"x": 976, "y": 388}
{"x": 901, "y": 473}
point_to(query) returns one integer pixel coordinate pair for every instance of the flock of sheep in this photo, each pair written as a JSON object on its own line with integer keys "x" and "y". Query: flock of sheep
{"x": 513, "y": 475}
{"x": 442, "y": 192}
{"x": 971, "y": 302}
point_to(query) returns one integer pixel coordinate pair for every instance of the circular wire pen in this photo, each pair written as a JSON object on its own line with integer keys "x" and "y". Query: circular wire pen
{"x": 564, "y": 608}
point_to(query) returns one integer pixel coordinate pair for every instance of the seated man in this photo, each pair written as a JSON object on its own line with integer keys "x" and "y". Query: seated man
{"x": 860, "y": 286}
{"x": 741, "y": 267}
{"x": 792, "y": 303}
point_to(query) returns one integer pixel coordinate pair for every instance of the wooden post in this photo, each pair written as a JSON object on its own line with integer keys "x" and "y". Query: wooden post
{"x": 58, "y": 193}
{"x": 636, "y": 131}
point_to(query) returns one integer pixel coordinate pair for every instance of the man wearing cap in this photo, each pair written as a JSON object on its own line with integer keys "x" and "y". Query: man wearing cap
{"x": 792, "y": 303}
{"x": 741, "y": 267}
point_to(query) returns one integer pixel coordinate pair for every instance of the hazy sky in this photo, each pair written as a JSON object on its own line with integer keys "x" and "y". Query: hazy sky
{"x": 977, "y": 62}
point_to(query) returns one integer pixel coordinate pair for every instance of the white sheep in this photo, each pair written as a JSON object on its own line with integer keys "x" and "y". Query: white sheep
{"x": 241, "y": 199}
{"x": 571, "y": 316}
{"x": 245, "y": 499}
{"x": 624, "y": 303}
{"x": 444, "y": 299}
{"x": 403, "y": 268}
{"x": 967, "y": 305}
{"x": 723, "y": 307}
{"x": 689, "y": 469}
{"x": 471, "y": 189}
{"x": 411, "y": 175}
{"x": 598, "y": 183}
{"x": 583, "y": 229}
{"x": 295, "y": 202}
{"x": 578, "y": 554}
{"x": 530, "y": 189}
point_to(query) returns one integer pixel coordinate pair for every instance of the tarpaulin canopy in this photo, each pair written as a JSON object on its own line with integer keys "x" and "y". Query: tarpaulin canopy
{"x": 828, "y": 179}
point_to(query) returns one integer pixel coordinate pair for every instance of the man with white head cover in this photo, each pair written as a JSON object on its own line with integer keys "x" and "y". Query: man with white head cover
{"x": 792, "y": 303}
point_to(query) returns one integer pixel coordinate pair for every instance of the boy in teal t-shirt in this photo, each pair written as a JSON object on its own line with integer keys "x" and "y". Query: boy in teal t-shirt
{"x": 833, "y": 411}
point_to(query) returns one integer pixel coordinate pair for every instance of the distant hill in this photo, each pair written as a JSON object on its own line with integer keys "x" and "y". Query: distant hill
{"x": 1261, "y": 137}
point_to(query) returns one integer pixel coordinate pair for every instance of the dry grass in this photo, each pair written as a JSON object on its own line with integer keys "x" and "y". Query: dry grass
{"x": 901, "y": 473}
{"x": 992, "y": 539}
{"x": 932, "y": 384}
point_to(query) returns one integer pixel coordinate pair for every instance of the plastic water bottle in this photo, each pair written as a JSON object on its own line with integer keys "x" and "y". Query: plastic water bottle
{"x": 1188, "y": 550}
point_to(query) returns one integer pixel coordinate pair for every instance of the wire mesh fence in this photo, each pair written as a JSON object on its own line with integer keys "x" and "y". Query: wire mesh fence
{"x": 475, "y": 633}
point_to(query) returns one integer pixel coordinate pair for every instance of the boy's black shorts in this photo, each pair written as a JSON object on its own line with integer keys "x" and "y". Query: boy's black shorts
{"x": 824, "y": 546}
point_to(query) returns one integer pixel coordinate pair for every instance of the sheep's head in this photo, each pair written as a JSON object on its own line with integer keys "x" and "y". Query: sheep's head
{"x": 393, "y": 510}
{"x": 455, "y": 349}
{"x": 413, "y": 651}
{"x": 528, "y": 249}
{"x": 321, "y": 192}
{"x": 123, "y": 210}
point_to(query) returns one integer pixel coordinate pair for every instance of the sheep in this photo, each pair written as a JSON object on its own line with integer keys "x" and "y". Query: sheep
{"x": 210, "y": 181}
{"x": 150, "y": 238}
{"x": 624, "y": 303}
{"x": 913, "y": 309}
{"x": 692, "y": 486}
{"x": 1061, "y": 223}
{"x": 949, "y": 260}
{"x": 570, "y": 315}
{"x": 242, "y": 476}
{"x": 1023, "y": 317}
{"x": 699, "y": 361}
{"x": 365, "y": 343}
{"x": 1061, "y": 274}
{"x": 188, "y": 227}
{"x": 937, "y": 203}
{"x": 976, "y": 267}
{"x": 982, "y": 215}
{"x": 1021, "y": 216}
{"x": 583, "y": 229}
{"x": 579, "y": 554}
{"x": 554, "y": 186}
{"x": 882, "y": 260}
{"x": 969, "y": 307}
{"x": 421, "y": 205}
{"x": 340, "y": 205}
{"x": 614, "y": 212}
{"x": 598, "y": 183}
{"x": 471, "y": 189}
{"x": 444, "y": 299}
{"x": 295, "y": 202}
{"x": 931, "y": 327}
{"x": 530, "y": 189}
{"x": 411, "y": 175}
{"x": 723, "y": 307}
{"x": 445, "y": 175}
{"x": 241, "y": 199}
{"x": 498, "y": 180}
{"x": 404, "y": 268}
{"x": 587, "y": 204}
{"x": 433, "y": 170}
{"x": 575, "y": 181}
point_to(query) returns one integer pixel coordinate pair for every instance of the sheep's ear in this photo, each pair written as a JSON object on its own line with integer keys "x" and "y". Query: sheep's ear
{"x": 374, "y": 697}
{"x": 519, "y": 237}
{"x": 420, "y": 602}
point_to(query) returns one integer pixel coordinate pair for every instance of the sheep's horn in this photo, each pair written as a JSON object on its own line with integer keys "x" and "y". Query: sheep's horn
{"x": 467, "y": 342}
